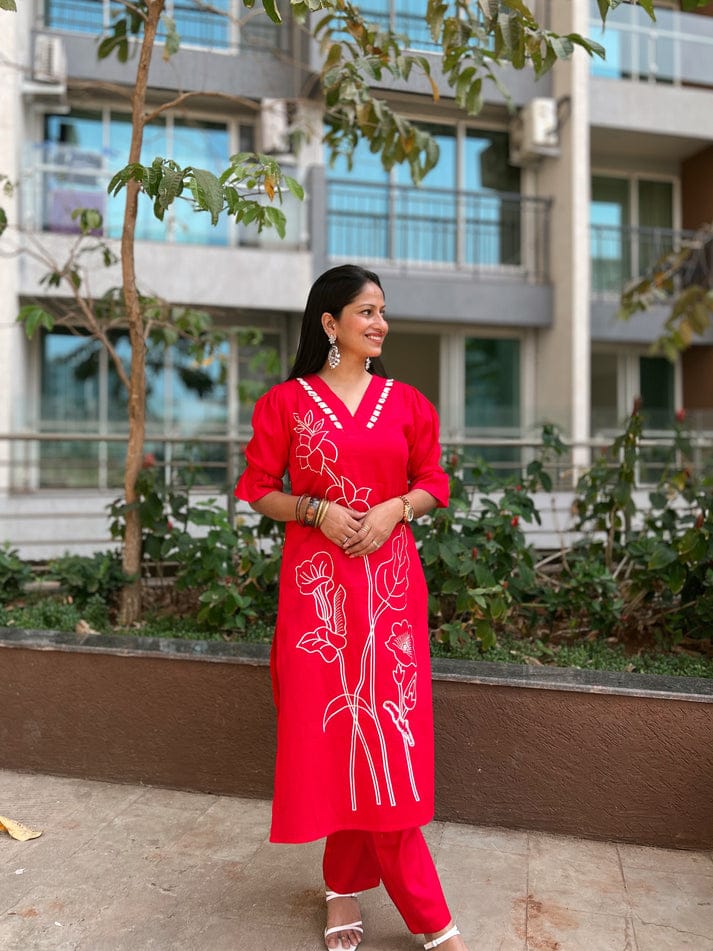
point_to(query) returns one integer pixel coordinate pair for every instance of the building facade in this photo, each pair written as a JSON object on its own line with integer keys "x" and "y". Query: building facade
{"x": 502, "y": 272}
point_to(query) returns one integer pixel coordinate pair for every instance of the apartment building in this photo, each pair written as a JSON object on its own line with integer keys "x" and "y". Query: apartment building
{"x": 502, "y": 272}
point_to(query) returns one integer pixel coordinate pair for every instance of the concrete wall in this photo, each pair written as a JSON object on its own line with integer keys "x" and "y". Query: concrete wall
{"x": 607, "y": 756}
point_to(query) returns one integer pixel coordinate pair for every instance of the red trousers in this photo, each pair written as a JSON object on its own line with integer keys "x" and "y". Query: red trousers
{"x": 355, "y": 861}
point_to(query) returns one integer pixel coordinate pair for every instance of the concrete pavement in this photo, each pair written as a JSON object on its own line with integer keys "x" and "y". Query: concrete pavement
{"x": 134, "y": 868}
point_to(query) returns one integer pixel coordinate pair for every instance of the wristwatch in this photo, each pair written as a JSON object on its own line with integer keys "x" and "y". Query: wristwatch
{"x": 408, "y": 510}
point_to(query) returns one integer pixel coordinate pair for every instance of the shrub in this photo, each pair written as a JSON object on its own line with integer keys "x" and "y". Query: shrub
{"x": 14, "y": 573}
{"x": 83, "y": 577}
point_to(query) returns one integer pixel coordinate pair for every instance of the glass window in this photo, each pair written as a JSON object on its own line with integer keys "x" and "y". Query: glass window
{"x": 203, "y": 145}
{"x": 259, "y": 367}
{"x": 148, "y": 227}
{"x": 605, "y": 413}
{"x": 492, "y": 398}
{"x": 202, "y": 27}
{"x": 358, "y": 207}
{"x": 492, "y": 222}
{"x": 655, "y": 201}
{"x": 425, "y": 221}
{"x": 79, "y": 16}
{"x": 656, "y": 375}
{"x": 611, "y": 260}
{"x": 73, "y": 174}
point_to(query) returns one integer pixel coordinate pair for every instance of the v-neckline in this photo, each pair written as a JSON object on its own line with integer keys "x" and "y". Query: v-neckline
{"x": 370, "y": 404}
{"x": 335, "y": 397}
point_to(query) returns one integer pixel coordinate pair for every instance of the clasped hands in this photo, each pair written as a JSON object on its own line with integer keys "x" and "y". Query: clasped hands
{"x": 361, "y": 533}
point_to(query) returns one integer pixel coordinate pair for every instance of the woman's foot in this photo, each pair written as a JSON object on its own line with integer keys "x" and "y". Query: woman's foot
{"x": 344, "y": 928}
{"x": 454, "y": 943}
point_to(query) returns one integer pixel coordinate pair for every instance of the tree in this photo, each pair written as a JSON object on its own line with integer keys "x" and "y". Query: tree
{"x": 475, "y": 40}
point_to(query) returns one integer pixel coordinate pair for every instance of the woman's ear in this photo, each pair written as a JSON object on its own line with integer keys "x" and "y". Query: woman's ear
{"x": 329, "y": 324}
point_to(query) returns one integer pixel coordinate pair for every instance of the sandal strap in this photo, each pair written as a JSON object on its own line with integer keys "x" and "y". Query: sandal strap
{"x": 451, "y": 933}
{"x": 330, "y": 895}
{"x": 354, "y": 926}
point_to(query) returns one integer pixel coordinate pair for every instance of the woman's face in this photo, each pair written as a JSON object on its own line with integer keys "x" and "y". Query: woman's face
{"x": 361, "y": 327}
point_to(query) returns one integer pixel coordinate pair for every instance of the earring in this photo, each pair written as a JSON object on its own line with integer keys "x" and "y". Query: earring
{"x": 367, "y": 364}
{"x": 334, "y": 356}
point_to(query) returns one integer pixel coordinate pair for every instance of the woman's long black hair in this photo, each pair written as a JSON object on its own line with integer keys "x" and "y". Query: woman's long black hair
{"x": 330, "y": 293}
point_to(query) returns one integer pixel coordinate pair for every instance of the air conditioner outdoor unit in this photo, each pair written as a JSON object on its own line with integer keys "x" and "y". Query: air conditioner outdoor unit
{"x": 50, "y": 63}
{"x": 534, "y": 133}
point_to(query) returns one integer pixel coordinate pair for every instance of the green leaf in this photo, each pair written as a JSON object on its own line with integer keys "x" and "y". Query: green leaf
{"x": 208, "y": 193}
{"x": 33, "y": 318}
{"x": 3, "y": 220}
{"x": 271, "y": 10}
{"x": 295, "y": 188}
{"x": 8, "y": 5}
{"x": 173, "y": 40}
{"x": 661, "y": 557}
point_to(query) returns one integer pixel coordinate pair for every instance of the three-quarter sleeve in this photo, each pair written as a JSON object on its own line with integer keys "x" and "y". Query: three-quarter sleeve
{"x": 424, "y": 462}
{"x": 267, "y": 452}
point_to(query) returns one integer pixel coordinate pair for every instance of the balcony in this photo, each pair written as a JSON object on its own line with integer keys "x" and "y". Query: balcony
{"x": 61, "y": 178}
{"x": 619, "y": 254}
{"x": 676, "y": 49}
{"x": 503, "y": 234}
{"x": 214, "y": 26}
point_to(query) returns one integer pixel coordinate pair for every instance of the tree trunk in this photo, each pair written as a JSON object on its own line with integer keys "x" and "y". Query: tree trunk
{"x": 130, "y": 609}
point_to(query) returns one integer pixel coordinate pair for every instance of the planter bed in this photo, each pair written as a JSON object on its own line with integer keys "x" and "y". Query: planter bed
{"x": 605, "y": 755}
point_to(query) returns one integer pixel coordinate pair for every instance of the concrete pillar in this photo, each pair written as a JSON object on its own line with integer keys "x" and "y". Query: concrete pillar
{"x": 562, "y": 361}
{"x": 13, "y": 27}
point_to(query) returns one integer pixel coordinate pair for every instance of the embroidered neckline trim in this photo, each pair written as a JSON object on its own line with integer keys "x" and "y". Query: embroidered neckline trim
{"x": 331, "y": 415}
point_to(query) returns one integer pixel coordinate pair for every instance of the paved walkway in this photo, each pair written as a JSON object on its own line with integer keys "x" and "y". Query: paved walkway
{"x": 131, "y": 868}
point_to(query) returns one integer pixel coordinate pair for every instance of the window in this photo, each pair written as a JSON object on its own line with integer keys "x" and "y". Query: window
{"x": 81, "y": 392}
{"x": 617, "y": 379}
{"x": 468, "y": 212}
{"x": 83, "y": 150}
{"x": 631, "y": 228}
{"x": 492, "y": 397}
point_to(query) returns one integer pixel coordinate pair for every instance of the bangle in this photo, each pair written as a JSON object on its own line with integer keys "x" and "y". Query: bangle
{"x": 299, "y": 509}
{"x": 311, "y": 511}
{"x": 321, "y": 512}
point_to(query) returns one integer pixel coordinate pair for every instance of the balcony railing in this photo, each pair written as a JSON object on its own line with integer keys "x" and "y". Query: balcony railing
{"x": 619, "y": 254}
{"x": 222, "y": 24}
{"x": 677, "y": 48}
{"x": 61, "y": 178}
{"x": 439, "y": 228}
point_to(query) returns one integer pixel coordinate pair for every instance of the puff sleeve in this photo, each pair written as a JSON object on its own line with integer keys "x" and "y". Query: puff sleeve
{"x": 424, "y": 459}
{"x": 267, "y": 452}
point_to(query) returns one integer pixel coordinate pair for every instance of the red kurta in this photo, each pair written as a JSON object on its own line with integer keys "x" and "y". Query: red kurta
{"x": 350, "y": 656}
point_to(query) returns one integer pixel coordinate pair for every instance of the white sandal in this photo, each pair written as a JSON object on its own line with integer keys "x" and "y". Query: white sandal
{"x": 451, "y": 933}
{"x": 353, "y": 926}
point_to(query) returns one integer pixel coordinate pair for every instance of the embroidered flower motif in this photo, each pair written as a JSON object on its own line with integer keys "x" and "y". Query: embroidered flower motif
{"x": 401, "y": 645}
{"x": 323, "y": 641}
{"x": 346, "y": 493}
{"x": 315, "y": 573}
{"x": 314, "y": 450}
{"x": 400, "y": 721}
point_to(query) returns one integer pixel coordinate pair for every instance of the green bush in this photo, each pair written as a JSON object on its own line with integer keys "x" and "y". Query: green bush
{"x": 83, "y": 577}
{"x": 14, "y": 574}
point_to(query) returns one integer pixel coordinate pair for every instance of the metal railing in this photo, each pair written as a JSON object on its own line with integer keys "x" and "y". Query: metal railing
{"x": 220, "y": 25}
{"x": 619, "y": 254}
{"x": 55, "y": 488}
{"x": 676, "y": 48}
{"x": 61, "y": 178}
{"x": 439, "y": 228}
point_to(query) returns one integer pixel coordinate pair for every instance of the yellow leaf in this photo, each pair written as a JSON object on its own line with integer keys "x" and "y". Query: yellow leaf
{"x": 17, "y": 830}
{"x": 269, "y": 187}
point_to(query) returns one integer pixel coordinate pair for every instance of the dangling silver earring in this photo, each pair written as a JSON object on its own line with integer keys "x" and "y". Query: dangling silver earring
{"x": 334, "y": 356}
{"x": 367, "y": 364}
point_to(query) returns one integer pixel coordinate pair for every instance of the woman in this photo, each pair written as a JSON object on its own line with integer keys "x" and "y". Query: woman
{"x": 350, "y": 657}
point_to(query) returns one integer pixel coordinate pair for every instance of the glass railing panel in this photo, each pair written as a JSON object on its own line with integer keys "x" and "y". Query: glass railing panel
{"x": 675, "y": 48}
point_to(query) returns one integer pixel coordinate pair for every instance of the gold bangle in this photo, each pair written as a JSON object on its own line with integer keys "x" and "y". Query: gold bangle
{"x": 321, "y": 512}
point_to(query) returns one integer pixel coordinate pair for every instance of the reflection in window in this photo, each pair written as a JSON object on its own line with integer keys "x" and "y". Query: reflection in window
{"x": 185, "y": 396}
{"x": 492, "y": 397}
{"x": 91, "y": 148}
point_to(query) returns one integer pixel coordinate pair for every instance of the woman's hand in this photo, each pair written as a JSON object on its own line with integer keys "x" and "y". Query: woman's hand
{"x": 376, "y": 526}
{"x": 341, "y": 524}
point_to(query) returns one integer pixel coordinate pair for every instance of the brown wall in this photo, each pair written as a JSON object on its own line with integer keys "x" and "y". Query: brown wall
{"x": 697, "y": 189}
{"x": 592, "y": 763}
{"x": 697, "y": 364}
